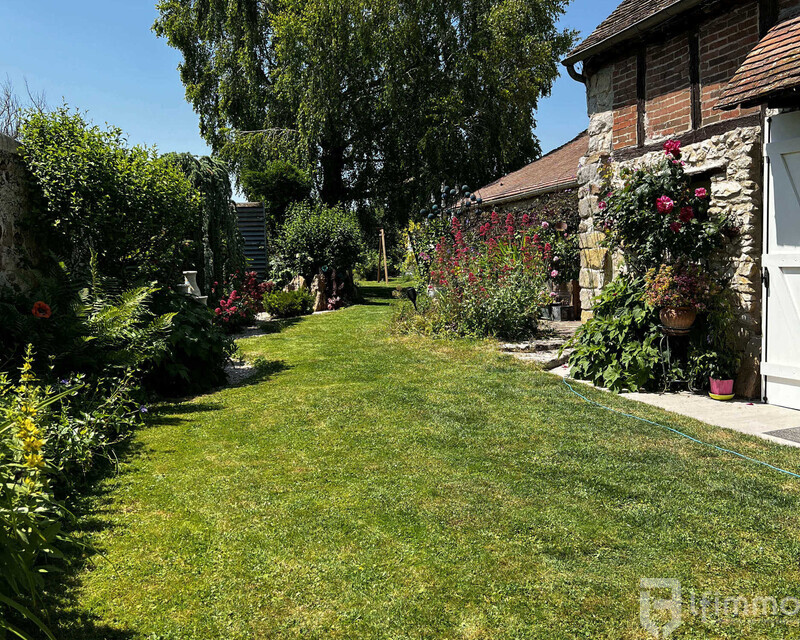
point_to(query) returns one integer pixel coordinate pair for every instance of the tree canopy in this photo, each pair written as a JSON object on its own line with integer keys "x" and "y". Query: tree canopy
{"x": 383, "y": 98}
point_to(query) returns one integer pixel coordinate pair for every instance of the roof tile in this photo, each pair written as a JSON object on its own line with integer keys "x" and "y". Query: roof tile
{"x": 773, "y": 66}
{"x": 559, "y": 168}
{"x": 627, "y": 14}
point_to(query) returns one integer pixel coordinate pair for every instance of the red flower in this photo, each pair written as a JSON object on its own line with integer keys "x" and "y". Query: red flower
{"x": 665, "y": 204}
{"x": 495, "y": 218}
{"x": 687, "y": 214}
{"x": 41, "y": 310}
{"x": 676, "y": 226}
{"x": 673, "y": 148}
{"x": 700, "y": 193}
{"x": 602, "y": 205}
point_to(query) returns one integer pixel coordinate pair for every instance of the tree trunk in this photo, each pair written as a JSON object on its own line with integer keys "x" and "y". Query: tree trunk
{"x": 333, "y": 189}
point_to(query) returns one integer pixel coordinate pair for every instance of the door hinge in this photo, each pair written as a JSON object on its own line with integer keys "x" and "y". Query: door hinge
{"x": 765, "y": 278}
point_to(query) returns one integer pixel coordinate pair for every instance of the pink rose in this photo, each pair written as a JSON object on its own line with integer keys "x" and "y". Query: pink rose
{"x": 676, "y": 226}
{"x": 554, "y": 273}
{"x": 665, "y": 204}
{"x": 545, "y": 225}
{"x": 602, "y": 205}
{"x": 700, "y": 193}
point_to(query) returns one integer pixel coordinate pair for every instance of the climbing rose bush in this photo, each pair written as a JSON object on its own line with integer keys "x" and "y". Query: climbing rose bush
{"x": 495, "y": 283}
{"x": 656, "y": 217}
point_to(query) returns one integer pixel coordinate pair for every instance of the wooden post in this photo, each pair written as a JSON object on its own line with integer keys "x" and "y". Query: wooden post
{"x": 378, "y": 273}
{"x": 385, "y": 263}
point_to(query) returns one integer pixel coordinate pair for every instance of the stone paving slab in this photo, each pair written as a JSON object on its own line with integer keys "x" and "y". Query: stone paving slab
{"x": 754, "y": 418}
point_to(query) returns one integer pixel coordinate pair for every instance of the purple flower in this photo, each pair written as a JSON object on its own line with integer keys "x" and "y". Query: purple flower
{"x": 142, "y": 409}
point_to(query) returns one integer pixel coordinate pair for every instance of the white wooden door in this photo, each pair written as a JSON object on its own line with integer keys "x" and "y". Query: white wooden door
{"x": 781, "y": 262}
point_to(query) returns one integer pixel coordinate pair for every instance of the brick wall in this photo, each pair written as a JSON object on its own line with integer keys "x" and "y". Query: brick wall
{"x": 669, "y": 98}
{"x": 725, "y": 41}
{"x": 624, "y": 80}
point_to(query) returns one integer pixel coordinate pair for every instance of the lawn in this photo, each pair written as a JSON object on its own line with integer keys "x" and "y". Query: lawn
{"x": 373, "y": 486}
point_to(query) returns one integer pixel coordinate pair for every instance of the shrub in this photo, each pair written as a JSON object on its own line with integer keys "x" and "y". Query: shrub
{"x": 95, "y": 195}
{"x": 618, "y": 348}
{"x": 494, "y": 286}
{"x": 318, "y": 238}
{"x": 239, "y": 299}
{"x": 288, "y": 304}
{"x": 197, "y": 349}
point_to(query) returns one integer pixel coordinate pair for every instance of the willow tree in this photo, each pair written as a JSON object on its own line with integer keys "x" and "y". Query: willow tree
{"x": 386, "y": 97}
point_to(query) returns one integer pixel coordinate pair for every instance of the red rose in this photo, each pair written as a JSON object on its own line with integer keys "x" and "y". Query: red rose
{"x": 41, "y": 310}
{"x": 676, "y": 226}
{"x": 673, "y": 148}
{"x": 700, "y": 193}
{"x": 687, "y": 214}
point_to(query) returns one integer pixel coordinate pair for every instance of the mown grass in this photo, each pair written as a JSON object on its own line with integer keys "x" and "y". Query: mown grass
{"x": 375, "y": 486}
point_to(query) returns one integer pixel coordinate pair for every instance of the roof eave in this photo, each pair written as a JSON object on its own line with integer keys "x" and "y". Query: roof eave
{"x": 638, "y": 28}
{"x": 524, "y": 195}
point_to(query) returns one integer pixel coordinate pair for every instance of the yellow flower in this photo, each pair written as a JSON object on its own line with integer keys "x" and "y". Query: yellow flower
{"x": 28, "y": 428}
{"x": 33, "y": 445}
{"x": 34, "y": 461}
{"x": 28, "y": 409}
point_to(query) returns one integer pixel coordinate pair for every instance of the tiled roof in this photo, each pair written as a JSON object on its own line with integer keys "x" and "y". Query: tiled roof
{"x": 772, "y": 67}
{"x": 559, "y": 168}
{"x": 626, "y": 15}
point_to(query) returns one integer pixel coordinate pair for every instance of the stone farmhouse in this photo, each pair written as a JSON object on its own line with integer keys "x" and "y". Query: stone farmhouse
{"x": 723, "y": 78}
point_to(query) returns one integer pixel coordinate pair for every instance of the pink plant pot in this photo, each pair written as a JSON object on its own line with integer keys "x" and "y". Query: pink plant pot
{"x": 721, "y": 387}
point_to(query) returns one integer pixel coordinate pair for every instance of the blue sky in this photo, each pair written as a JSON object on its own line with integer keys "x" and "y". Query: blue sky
{"x": 102, "y": 57}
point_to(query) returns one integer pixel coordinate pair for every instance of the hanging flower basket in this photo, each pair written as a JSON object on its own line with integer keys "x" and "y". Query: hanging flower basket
{"x": 677, "y": 321}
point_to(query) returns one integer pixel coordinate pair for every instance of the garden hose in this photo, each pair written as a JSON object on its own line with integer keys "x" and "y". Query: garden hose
{"x": 680, "y": 433}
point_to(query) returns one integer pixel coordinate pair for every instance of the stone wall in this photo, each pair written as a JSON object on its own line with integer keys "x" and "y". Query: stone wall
{"x": 596, "y": 264}
{"x": 16, "y": 250}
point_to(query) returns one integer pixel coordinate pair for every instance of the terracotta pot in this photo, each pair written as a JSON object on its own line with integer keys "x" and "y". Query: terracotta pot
{"x": 678, "y": 319}
{"x": 721, "y": 387}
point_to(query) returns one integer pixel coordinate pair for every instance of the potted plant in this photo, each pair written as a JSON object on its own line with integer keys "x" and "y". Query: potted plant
{"x": 679, "y": 291}
{"x": 721, "y": 370}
